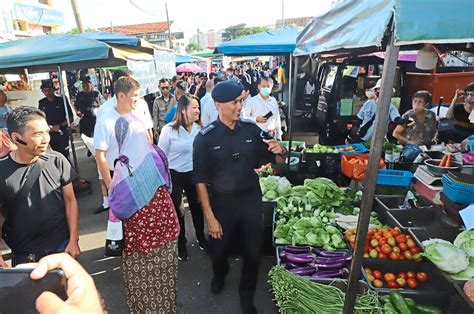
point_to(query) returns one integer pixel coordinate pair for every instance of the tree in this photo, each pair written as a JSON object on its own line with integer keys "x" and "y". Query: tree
{"x": 75, "y": 30}
{"x": 241, "y": 30}
{"x": 192, "y": 47}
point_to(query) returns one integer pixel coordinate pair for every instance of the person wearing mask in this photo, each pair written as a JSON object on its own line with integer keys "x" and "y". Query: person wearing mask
{"x": 87, "y": 103}
{"x": 4, "y": 110}
{"x": 161, "y": 105}
{"x": 41, "y": 212}
{"x": 420, "y": 126}
{"x": 176, "y": 141}
{"x": 207, "y": 98}
{"x": 225, "y": 154}
{"x": 263, "y": 109}
{"x": 136, "y": 174}
{"x": 229, "y": 74}
{"x": 54, "y": 108}
{"x": 462, "y": 113}
{"x": 181, "y": 89}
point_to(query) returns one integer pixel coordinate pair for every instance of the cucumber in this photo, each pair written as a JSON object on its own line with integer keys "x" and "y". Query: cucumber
{"x": 385, "y": 299}
{"x": 410, "y": 302}
{"x": 428, "y": 309}
{"x": 399, "y": 302}
{"x": 388, "y": 308}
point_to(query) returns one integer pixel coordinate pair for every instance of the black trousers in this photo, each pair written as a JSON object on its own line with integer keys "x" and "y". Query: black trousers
{"x": 182, "y": 181}
{"x": 60, "y": 143}
{"x": 240, "y": 215}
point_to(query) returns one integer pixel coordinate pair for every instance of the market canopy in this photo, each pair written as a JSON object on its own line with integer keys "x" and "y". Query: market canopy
{"x": 208, "y": 53}
{"x": 362, "y": 24}
{"x": 180, "y": 59}
{"x": 274, "y": 42}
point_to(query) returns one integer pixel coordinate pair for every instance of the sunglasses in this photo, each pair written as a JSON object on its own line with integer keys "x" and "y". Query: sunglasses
{"x": 164, "y": 87}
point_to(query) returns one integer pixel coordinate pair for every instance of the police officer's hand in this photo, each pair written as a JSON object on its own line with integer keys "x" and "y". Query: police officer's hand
{"x": 214, "y": 229}
{"x": 274, "y": 147}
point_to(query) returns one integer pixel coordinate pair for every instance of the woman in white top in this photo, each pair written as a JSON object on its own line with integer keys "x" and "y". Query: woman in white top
{"x": 176, "y": 140}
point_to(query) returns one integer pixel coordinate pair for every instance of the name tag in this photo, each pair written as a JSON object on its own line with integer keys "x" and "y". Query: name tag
{"x": 216, "y": 147}
{"x": 248, "y": 141}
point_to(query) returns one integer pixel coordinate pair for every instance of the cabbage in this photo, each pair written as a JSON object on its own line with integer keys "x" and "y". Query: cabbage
{"x": 445, "y": 256}
{"x": 465, "y": 241}
{"x": 284, "y": 186}
{"x": 466, "y": 274}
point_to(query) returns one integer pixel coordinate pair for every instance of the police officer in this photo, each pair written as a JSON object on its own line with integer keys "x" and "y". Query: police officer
{"x": 53, "y": 107}
{"x": 226, "y": 152}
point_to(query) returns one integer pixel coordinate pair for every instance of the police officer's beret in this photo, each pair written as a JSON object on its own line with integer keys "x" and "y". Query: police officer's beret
{"x": 227, "y": 91}
{"x": 46, "y": 84}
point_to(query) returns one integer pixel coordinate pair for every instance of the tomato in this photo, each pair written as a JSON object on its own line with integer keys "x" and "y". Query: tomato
{"x": 411, "y": 274}
{"x": 402, "y": 275}
{"x": 401, "y": 238}
{"x": 417, "y": 257}
{"x": 377, "y": 248}
{"x": 370, "y": 278}
{"x": 366, "y": 255}
{"x": 378, "y": 283}
{"x": 381, "y": 255}
{"x": 368, "y": 270}
{"x": 421, "y": 276}
{"x": 394, "y": 256}
{"x": 411, "y": 282}
{"x": 393, "y": 284}
{"x": 403, "y": 246}
{"x": 401, "y": 282}
{"x": 392, "y": 241}
{"x": 377, "y": 274}
{"x": 381, "y": 163}
{"x": 396, "y": 231}
{"x": 387, "y": 234}
{"x": 383, "y": 241}
{"x": 374, "y": 242}
{"x": 396, "y": 249}
{"x": 377, "y": 236}
{"x": 389, "y": 277}
{"x": 386, "y": 249}
{"x": 352, "y": 238}
{"x": 374, "y": 253}
{"x": 408, "y": 255}
{"x": 371, "y": 231}
{"x": 411, "y": 243}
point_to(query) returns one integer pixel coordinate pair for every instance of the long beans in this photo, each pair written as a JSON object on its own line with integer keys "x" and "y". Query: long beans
{"x": 294, "y": 294}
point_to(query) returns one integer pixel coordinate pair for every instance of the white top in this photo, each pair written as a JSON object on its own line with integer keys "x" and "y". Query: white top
{"x": 141, "y": 111}
{"x": 367, "y": 112}
{"x": 178, "y": 146}
{"x": 209, "y": 114}
{"x": 206, "y": 100}
{"x": 259, "y": 107}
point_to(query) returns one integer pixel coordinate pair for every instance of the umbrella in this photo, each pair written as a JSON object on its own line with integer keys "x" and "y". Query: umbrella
{"x": 188, "y": 67}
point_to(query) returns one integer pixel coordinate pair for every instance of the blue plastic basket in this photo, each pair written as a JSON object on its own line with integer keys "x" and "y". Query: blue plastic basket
{"x": 394, "y": 178}
{"x": 456, "y": 192}
{"x": 359, "y": 149}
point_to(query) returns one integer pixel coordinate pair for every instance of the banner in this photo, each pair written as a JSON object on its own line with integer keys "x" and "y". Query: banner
{"x": 165, "y": 62}
{"x": 145, "y": 73}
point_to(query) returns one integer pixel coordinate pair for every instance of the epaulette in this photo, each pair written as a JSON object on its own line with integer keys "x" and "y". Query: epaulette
{"x": 207, "y": 129}
{"x": 248, "y": 121}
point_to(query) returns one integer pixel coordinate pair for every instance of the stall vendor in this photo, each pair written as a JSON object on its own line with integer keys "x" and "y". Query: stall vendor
{"x": 463, "y": 114}
{"x": 419, "y": 124}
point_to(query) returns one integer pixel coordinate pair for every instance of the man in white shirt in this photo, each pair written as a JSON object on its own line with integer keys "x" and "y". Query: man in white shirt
{"x": 207, "y": 99}
{"x": 263, "y": 109}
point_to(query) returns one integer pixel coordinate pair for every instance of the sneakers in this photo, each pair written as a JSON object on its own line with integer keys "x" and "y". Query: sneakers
{"x": 203, "y": 244}
{"x": 100, "y": 209}
{"x": 182, "y": 253}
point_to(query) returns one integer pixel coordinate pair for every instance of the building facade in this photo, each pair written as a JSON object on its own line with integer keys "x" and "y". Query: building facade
{"x": 297, "y": 21}
{"x": 207, "y": 40}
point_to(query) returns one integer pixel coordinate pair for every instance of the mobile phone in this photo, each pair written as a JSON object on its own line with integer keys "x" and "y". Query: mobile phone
{"x": 265, "y": 135}
{"x": 268, "y": 115}
{"x": 18, "y": 292}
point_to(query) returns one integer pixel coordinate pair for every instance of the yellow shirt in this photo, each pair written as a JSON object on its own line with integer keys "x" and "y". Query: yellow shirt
{"x": 281, "y": 77}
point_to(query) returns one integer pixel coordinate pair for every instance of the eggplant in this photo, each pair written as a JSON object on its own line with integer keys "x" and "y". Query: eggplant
{"x": 335, "y": 265}
{"x": 297, "y": 249}
{"x": 303, "y": 271}
{"x": 299, "y": 258}
{"x": 330, "y": 273}
{"x": 327, "y": 260}
{"x": 282, "y": 254}
{"x": 293, "y": 265}
{"x": 323, "y": 253}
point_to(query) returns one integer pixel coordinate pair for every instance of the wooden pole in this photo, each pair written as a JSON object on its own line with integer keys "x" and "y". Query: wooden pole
{"x": 77, "y": 16}
{"x": 169, "y": 26}
{"x": 380, "y": 127}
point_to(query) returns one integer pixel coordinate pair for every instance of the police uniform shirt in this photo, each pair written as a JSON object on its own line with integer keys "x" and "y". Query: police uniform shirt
{"x": 54, "y": 110}
{"x": 225, "y": 158}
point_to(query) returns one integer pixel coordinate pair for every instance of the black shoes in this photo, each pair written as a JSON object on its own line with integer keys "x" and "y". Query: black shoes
{"x": 89, "y": 153}
{"x": 217, "y": 284}
{"x": 182, "y": 253}
{"x": 248, "y": 307}
{"x": 203, "y": 244}
{"x": 100, "y": 209}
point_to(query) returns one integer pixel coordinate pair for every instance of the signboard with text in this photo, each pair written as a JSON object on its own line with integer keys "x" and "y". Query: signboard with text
{"x": 37, "y": 14}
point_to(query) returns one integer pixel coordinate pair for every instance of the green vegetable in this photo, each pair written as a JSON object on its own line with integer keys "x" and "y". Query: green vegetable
{"x": 466, "y": 274}
{"x": 410, "y": 302}
{"x": 385, "y": 299}
{"x": 465, "y": 241}
{"x": 445, "y": 256}
{"x": 428, "y": 309}
{"x": 388, "y": 308}
{"x": 273, "y": 187}
{"x": 294, "y": 294}
{"x": 399, "y": 302}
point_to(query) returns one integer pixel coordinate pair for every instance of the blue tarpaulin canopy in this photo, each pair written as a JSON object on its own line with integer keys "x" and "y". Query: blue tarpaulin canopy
{"x": 112, "y": 38}
{"x": 180, "y": 59}
{"x": 361, "y": 24}
{"x": 274, "y": 42}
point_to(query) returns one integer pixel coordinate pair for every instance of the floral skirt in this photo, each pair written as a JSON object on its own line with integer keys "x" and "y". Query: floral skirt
{"x": 150, "y": 280}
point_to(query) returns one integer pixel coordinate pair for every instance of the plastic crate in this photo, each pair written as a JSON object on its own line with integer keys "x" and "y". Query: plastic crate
{"x": 394, "y": 178}
{"x": 359, "y": 149}
{"x": 456, "y": 192}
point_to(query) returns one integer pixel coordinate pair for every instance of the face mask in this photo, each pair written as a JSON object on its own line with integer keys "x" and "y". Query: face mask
{"x": 369, "y": 94}
{"x": 265, "y": 91}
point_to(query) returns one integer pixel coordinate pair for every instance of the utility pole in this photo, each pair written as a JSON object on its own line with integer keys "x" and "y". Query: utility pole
{"x": 77, "y": 15}
{"x": 198, "y": 40}
{"x": 169, "y": 26}
{"x": 283, "y": 13}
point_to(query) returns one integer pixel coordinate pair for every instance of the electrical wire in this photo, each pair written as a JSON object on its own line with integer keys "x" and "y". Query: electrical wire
{"x": 463, "y": 61}
{"x": 37, "y": 22}
{"x": 138, "y": 7}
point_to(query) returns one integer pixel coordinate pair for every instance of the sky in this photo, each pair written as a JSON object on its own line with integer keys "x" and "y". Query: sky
{"x": 190, "y": 15}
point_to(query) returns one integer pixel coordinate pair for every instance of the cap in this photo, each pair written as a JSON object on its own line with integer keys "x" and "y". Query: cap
{"x": 86, "y": 79}
{"x": 227, "y": 91}
{"x": 46, "y": 84}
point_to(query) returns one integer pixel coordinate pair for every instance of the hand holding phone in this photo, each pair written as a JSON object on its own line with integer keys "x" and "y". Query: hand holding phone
{"x": 268, "y": 115}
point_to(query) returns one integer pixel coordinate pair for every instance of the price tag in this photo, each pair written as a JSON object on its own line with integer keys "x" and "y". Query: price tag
{"x": 467, "y": 216}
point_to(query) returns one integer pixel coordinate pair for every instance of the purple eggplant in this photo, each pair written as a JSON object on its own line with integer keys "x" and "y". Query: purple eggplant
{"x": 330, "y": 273}
{"x": 282, "y": 254}
{"x": 297, "y": 249}
{"x": 303, "y": 271}
{"x": 323, "y": 253}
{"x": 327, "y": 260}
{"x": 299, "y": 258}
{"x": 334, "y": 265}
{"x": 293, "y": 265}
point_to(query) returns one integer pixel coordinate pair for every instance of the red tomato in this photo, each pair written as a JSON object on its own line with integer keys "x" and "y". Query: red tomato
{"x": 381, "y": 163}
{"x": 389, "y": 277}
{"x": 387, "y": 234}
{"x": 415, "y": 250}
{"x": 401, "y": 282}
{"x": 366, "y": 255}
{"x": 381, "y": 255}
{"x": 411, "y": 243}
{"x": 396, "y": 231}
{"x": 377, "y": 274}
{"x": 377, "y": 249}
{"x": 403, "y": 246}
{"x": 401, "y": 238}
{"x": 421, "y": 276}
{"x": 378, "y": 283}
{"x": 393, "y": 284}
{"x": 383, "y": 241}
{"x": 402, "y": 275}
{"x": 394, "y": 256}
{"x": 386, "y": 249}
{"x": 411, "y": 274}
{"x": 408, "y": 255}
{"x": 377, "y": 236}
{"x": 368, "y": 270}
{"x": 411, "y": 282}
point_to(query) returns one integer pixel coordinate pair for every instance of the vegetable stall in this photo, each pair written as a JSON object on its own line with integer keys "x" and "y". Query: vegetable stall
{"x": 396, "y": 242}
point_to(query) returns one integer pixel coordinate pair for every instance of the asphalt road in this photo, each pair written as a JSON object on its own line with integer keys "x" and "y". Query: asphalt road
{"x": 195, "y": 274}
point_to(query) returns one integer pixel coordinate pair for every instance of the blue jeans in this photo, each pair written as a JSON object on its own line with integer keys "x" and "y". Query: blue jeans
{"x": 23, "y": 258}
